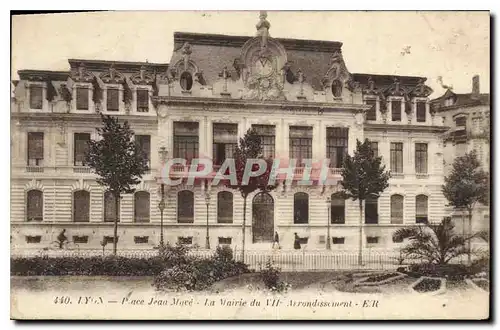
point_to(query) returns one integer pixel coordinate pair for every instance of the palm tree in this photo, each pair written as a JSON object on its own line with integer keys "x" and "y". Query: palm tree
{"x": 436, "y": 243}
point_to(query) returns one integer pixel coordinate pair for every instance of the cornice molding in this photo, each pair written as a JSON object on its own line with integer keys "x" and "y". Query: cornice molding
{"x": 78, "y": 117}
{"x": 239, "y": 41}
{"x": 405, "y": 128}
{"x": 204, "y": 103}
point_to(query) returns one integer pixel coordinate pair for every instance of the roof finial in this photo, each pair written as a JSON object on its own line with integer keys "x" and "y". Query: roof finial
{"x": 263, "y": 28}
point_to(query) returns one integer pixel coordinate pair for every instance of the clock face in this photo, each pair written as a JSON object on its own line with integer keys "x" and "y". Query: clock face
{"x": 263, "y": 67}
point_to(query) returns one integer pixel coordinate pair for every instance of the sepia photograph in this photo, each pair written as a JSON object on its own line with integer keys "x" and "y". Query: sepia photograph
{"x": 250, "y": 165}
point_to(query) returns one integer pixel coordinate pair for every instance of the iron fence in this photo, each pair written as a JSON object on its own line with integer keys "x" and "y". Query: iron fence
{"x": 286, "y": 260}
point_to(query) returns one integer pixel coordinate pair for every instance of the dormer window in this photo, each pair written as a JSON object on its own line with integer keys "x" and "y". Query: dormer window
{"x": 461, "y": 122}
{"x": 421, "y": 112}
{"x": 336, "y": 88}
{"x": 186, "y": 81}
{"x": 448, "y": 102}
{"x": 112, "y": 99}
{"x": 396, "y": 110}
{"x": 36, "y": 97}
{"x": 142, "y": 100}
{"x": 372, "y": 113}
{"x": 82, "y": 98}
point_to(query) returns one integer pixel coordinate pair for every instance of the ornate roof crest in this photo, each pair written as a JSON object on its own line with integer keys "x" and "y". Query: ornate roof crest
{"x": 421, "y": 90}
{"x": 81, "y": 74}
{"x": 395, "y": 89}
{"x": 112, "y": 76}
{"x": 143, "y": 77}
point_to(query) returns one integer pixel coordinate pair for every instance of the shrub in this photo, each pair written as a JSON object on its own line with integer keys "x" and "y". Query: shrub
{"x": 450, "y": 271}
{"x": 199, "y": 274}
{"x": 271, "y": 277}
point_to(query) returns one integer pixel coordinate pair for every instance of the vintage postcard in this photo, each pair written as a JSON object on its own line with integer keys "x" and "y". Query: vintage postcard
{"x": 250, "y": 165}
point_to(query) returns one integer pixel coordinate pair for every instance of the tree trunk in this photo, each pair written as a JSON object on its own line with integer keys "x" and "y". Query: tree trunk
{"x": 360, "y": 248}
{"x": 469, "y": 240}
{"x": 117, "y": 217}
{"x": 243, "y": 229}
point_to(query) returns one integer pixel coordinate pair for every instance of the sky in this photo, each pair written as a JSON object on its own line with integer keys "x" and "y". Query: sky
{"x": 453, "y": 45}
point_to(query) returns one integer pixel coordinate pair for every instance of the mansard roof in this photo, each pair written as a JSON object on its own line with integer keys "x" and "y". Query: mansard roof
{"x": 459, "y": 100}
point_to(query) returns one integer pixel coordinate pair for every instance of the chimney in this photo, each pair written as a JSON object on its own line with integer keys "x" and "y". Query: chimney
{"x": 475, "y": 86}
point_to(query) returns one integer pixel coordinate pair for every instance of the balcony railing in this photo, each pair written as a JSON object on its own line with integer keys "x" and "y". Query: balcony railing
{"x": 397, "y": 175}
{"x": 81, "y": 169}
{"x": 422, "y": 175}
{"x": 34, "y": 169}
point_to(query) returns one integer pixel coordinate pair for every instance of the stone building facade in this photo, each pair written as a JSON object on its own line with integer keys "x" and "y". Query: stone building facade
{"x": 300, "y": 96}
{"x": 468, "y": 117}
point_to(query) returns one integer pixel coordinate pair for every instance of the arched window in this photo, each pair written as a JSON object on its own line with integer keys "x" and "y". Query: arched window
{"x": 224, "y": 207}
{"x": 300, "y": 208}
{"x": 337, "y": 211}
{"x": 109, "y": 207}
{"x": 371, "y": 210}
{"x": 81, "y": 206}
{"x": 397, "y": 202}
{"x": 421, "y": 205}
{"x": 337, "y": 88}
{"x": 141, "y": 206}
{"x": 186, "y": 81}
{"x": 185, "y": 206}
{"x": 34, "y": 205}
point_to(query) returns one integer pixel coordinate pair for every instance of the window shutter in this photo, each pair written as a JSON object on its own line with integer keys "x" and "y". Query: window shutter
{"x": 35, "y": 145}
{"x": 141, "y": 206}
{"x": 35, "y": 205}
{"x": 397, "y": 202}
{"x": 420, "y": 112}
{"x": 142, "y": 100}
{"x": 82, "y": 98}
{"x": 421, "y": 205}
{"x": 81, "y": 206}
{"x": 81, "y": 147}
{"x": 112, "y": 103}
{"x": 36, "y": 97}
{"x": 185, "y": 206}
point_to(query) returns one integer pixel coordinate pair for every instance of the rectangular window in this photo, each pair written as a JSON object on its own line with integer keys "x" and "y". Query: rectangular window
{"x": 35, "y": 148}
{"x": 33, "y": 239}
{"x": 186, "y": 140}
{"x": 372, "y": 240}
{"x": 397, "y": 157}
{"x": 372, "y": 113}
{"x": 397, "y": 240}
{"x": 225, "y": 141}
{"x": 80, "y": 239}
{"x": 300, "y": 143}
{"x": 421, "y": 208}
{"x": 185, "y": 240}
{"x": 142, "y": 100}
{"x": 461, "y": 122}
{"x": 225, "y": 240}
{"x": 112, "y": 101}
{"x": 322, "y": 239}
{"x": 421, "y": 112}
{"x": 82, "y": 98}
{"x": 338, "y": 240}
{"x": 396, "y": 110}
{"x": 110, "y": 239}
{"x": 336, "y": 145}
{"x": 267, "y": 139}
{"x": 141, "y": 239}
{"x": 81, "y": 146}
{"x": 36, "y": 97}
{"x": 374, "y": 146}
{"x": 144, "y": 144}
{"x": 303, "y": 240}
{"x": 421, "y": 158}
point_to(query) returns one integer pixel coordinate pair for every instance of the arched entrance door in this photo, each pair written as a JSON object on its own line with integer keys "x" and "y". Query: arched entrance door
{"x": 262, "y": 218}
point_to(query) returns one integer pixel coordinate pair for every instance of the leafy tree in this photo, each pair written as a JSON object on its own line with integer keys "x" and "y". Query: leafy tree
{"x": 466, "y": 186}
{"x": 436, "y": 243}
{"x": 363, "y": 175}
{"x": 250, "y": 147}
{"x": 117, "y": 160}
